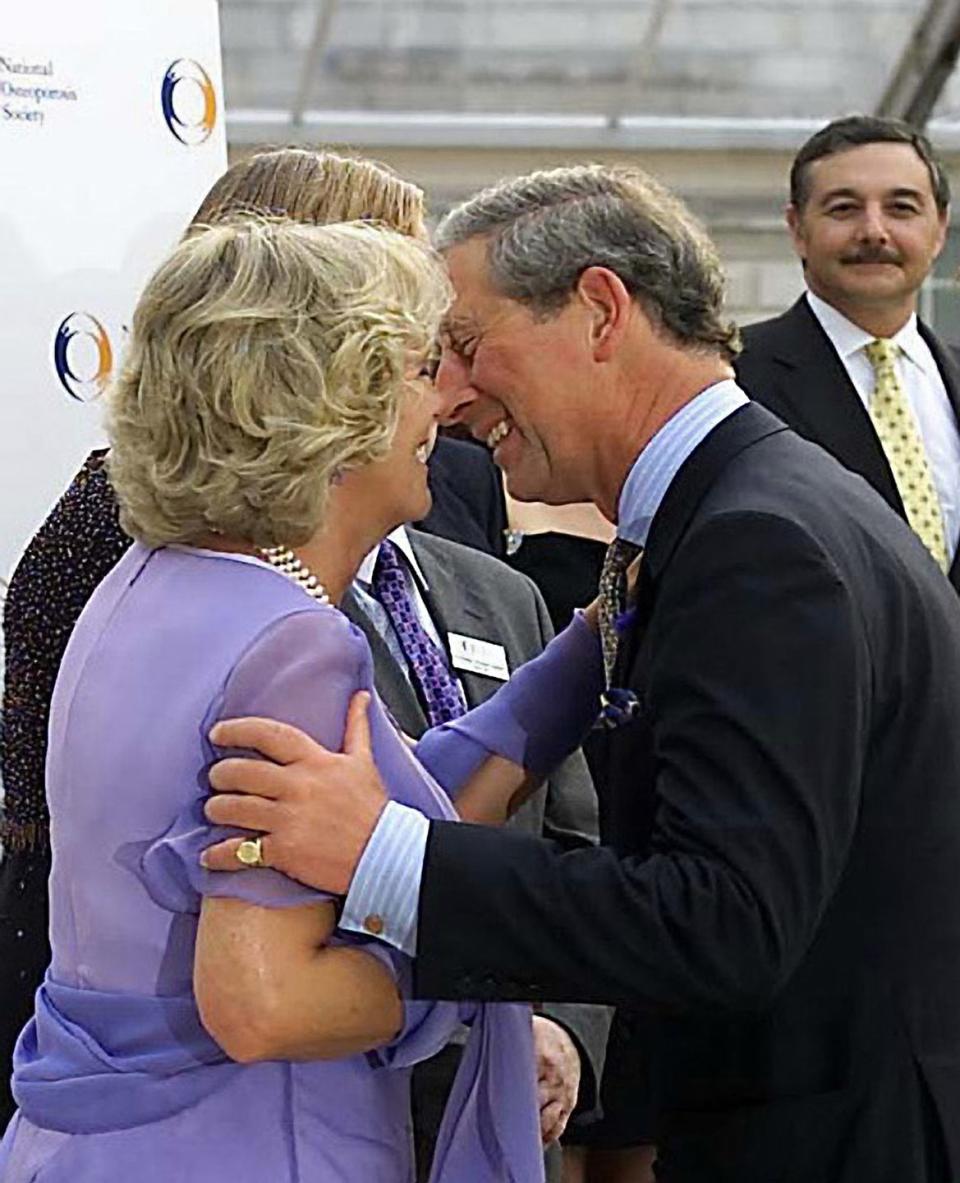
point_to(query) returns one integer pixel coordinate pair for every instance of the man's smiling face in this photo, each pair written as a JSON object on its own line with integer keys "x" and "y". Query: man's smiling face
{"x": 869, "y": 231}
{"x": 519, "y": 382}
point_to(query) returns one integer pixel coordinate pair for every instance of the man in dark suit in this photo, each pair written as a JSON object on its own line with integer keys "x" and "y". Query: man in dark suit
{"x": 468, "y": 501}
{"x": 776, "y": 905}
{"x": 868, "y": 212}
{"x": 458, "y": 591}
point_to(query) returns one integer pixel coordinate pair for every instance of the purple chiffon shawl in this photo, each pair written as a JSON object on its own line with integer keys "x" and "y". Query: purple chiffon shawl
{"x": 115, "y": 1075}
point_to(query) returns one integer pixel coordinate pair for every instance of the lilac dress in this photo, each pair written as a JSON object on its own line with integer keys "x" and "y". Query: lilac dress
{"x": 115, "y": 1076}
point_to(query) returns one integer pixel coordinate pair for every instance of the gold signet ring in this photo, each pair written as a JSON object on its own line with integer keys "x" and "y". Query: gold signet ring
{"x": 250, "y": 852}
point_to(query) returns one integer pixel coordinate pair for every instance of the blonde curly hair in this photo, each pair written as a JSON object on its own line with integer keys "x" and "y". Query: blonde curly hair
{"x": 265, "y": 358}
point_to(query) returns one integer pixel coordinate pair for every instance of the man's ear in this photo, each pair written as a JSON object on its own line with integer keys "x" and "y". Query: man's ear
{"x": 604, "y": 294}
{"x": 943, "y": 217}
{"x": 795, "y": 225}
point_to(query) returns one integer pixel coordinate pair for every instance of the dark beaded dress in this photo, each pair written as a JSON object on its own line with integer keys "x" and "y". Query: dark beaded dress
{"x": 73, "y": 550}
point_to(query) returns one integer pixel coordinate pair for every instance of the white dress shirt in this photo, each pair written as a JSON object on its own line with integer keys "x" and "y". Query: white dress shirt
{"x": 926, "y": 393}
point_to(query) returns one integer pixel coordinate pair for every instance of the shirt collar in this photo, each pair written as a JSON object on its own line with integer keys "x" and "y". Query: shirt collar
{"x": 401, "y": 540}
{"x": 848, "y": 338}
{"x": 659, "y": 462}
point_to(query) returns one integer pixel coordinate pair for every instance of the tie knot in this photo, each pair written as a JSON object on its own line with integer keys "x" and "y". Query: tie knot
{"x": 388, "y": 561}
{"x": 436, "y": 685}
{"x": 882, "y": 352}
{"x": 620, "y": 554}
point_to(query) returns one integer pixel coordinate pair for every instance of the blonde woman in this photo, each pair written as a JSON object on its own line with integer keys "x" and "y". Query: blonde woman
{"x": 196, "y": 1025}
{"x": 81, "y": 541}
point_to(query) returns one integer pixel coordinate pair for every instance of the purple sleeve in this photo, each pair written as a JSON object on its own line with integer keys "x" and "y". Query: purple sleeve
{"x": 536, "y": 719}
{"x": 303, "y": 670}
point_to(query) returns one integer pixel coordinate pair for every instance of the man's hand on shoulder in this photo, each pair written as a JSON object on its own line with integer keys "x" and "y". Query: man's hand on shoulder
{"x": 314, "y": 808}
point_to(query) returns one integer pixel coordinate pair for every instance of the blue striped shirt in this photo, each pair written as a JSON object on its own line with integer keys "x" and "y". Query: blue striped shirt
{"x": 384, "y": 895}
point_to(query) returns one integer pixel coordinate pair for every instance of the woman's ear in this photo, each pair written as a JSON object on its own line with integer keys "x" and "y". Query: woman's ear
{"x": 609, "y": 303}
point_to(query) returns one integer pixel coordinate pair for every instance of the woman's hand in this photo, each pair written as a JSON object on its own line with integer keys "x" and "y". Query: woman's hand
{"x": 558, "y": 1076}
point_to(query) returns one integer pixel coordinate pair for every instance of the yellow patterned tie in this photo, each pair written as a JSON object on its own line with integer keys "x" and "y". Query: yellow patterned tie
{"x": 895, "y": 425}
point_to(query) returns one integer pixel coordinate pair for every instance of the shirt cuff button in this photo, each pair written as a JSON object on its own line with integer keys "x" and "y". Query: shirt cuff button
{"x": 373, "y": 924}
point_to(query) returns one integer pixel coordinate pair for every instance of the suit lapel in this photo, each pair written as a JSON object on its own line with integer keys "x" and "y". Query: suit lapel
{"x": 949, "y": 369}
{"x": 823, "y": 403}
{"x": 393, "y": 688}
{"x": 947, "y": 364}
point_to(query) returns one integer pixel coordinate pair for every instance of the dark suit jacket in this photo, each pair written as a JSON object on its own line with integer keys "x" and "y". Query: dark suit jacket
{"x": 783, "y": 912}
{"x": 468, "y": 501}
{"x": 790, "y": 365}
{"x": 475, "y": 595}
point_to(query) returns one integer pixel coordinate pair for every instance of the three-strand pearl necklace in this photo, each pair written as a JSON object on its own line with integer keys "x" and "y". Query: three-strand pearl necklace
{"x": 288, "y": 564}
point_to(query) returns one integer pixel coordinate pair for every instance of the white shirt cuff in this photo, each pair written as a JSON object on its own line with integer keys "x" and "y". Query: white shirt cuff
{"x": 384, "y": 894}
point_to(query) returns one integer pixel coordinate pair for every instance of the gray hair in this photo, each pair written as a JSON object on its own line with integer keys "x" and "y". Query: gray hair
{"x": 547, "y": 228}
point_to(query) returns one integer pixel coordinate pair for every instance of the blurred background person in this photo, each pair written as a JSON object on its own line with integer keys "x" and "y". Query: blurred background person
{"x": 468, "y": 504}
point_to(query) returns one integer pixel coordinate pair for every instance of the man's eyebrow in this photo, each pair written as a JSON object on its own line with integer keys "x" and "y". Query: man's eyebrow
{"x": 900, "y": 191}
{"x": 843, "y": 192}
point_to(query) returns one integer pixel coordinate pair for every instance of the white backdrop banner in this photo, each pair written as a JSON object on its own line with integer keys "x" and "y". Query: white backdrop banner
{"x": 111, "y": 132}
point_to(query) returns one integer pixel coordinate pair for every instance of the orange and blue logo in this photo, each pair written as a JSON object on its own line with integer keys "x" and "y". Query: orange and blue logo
{"x": 189, "y": 101}
{"x": 82, "y": 356}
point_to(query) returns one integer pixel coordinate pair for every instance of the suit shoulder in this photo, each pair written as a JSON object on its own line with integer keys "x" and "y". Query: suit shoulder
{"x": 473, "y": 564}
{"x": 932, "y": 337}
{"x": 792, "y": 481}
{"x": 455, "y": 555}
{"x": 767, "y": 345}
{"x": 763, "y": 538}
{"x": 764, "y": 333}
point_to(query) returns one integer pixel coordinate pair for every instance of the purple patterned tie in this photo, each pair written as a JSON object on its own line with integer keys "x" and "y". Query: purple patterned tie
{"x": 438, "y": 689}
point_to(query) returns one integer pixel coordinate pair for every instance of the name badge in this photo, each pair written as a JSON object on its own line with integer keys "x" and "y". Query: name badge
{"x": 474, "y": 656}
